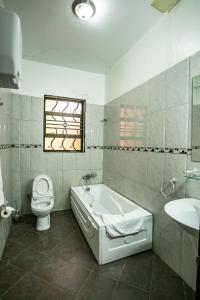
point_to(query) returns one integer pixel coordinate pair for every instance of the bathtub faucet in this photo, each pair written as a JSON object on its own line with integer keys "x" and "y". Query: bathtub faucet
{"x": 87, "y": 177}
{"x": 87, "y": 189}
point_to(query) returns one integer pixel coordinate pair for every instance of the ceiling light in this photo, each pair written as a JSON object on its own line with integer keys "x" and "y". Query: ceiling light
{"x": 83, "y": 9}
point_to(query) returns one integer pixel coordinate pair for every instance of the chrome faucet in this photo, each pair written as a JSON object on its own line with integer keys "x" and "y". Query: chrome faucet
{"x": 87, "y": 189}
{"x": 87, "y": 177}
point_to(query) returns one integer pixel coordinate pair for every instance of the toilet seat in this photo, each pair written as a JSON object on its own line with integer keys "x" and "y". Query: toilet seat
{"x": 42, "y": 205}
{"x": 42, "y": 198}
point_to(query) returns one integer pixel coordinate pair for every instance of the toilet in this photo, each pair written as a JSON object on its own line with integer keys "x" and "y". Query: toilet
{"x": 42, "y": 201}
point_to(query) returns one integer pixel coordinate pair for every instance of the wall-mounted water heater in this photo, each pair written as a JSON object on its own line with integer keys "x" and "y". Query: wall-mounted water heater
{"x": 10, "y": 49}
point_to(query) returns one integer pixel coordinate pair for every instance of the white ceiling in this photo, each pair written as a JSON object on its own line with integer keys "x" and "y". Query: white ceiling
{"x": 53, "y": 35}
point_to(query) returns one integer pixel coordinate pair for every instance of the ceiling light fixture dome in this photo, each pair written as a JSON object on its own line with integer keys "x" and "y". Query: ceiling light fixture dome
{"x": 83, "y": 9}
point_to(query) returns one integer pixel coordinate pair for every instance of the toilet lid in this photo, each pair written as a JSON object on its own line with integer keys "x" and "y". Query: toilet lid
{"x": 42, "y": 186}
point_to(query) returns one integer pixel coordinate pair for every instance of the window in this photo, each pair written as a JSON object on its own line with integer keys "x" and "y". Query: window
{"x": 64, "y": 124}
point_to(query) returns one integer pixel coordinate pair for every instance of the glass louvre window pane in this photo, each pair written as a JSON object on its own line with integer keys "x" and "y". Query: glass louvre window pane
{"x": 64, "y": 124}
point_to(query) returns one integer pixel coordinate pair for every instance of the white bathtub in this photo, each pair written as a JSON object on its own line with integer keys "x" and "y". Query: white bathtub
{"x": 102, "y": 199}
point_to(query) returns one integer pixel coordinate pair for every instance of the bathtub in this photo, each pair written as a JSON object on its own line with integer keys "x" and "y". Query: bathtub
{"x": 102, "y": 199}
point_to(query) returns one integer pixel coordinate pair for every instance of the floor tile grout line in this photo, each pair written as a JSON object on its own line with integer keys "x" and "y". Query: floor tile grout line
{"x": 123, "y": 268}
{"x": 136, "y": 287}
{"x": 68, "y": 260}
{"x": 48, "y": 254}
{"x": 40, "y": 252}
{"x": 59, "y": 243}
{"x": 119, "y": 280}
{"x": 184, "y": 291}
{"x": 150, "y": 289}
{"x": 133, "y": 285}
{"x": 39, "y": 278}
{"x": 59, "y": 240}
{"x": 54, "y": 284}
{"x": 36, "y": 250}
{"x": 50, "y": 284}
{"x": 129, "y": 284}
{"x": 15, "y": 265}
{"x": 9, "y": 260}
{"x": 83, "y": 285}
{"x": 115, "y": 289}
{"x": 14, "y": 284}
{"x": 24, "y": 234}
{"x": 75, "y": 264}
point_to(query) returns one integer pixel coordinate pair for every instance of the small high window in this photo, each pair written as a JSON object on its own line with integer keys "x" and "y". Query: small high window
{"x": 64, "y": 124}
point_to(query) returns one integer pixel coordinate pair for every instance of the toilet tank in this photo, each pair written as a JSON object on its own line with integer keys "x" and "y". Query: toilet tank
{"x": 10, "y": 49}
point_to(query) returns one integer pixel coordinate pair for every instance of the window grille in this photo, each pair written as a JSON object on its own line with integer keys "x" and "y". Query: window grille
{"x": 64, "y": 124}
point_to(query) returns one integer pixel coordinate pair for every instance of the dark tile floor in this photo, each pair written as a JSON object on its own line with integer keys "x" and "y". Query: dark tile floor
{"x": 58, "y": 264}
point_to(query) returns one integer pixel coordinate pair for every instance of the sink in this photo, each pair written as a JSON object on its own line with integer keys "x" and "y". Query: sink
{"x": 185, "y": 211}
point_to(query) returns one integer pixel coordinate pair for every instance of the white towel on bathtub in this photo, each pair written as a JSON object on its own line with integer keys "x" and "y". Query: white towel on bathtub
{"x": 118, "y": 225}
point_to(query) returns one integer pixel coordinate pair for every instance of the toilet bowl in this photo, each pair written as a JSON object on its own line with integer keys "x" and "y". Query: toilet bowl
{"x": 42, "y": 201}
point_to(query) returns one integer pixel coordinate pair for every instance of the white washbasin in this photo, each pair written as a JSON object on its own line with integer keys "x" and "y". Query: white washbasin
{"x": 185, "y": 211}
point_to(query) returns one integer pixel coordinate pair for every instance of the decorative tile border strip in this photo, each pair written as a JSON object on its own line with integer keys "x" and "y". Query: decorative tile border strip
{"x": 121, "y": 148}
{"x": 95, "y": 147}
{"x": 8, "y": 146}
{"x": 27, "y": 146}
{"x": 5, "y": 146}
{"x": 145, "y": 149}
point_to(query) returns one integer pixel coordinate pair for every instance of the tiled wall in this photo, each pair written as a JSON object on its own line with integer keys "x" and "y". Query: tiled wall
{"x": 5, "y": 156}
{"x": 65, "y": 169}
{"x": 156, "y": 117}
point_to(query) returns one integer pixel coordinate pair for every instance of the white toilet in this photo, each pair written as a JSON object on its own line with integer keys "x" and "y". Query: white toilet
{"x": 42, "y": 201}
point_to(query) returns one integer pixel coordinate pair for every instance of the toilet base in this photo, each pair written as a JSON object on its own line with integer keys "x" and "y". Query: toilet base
{"x": 43, "y": 223}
